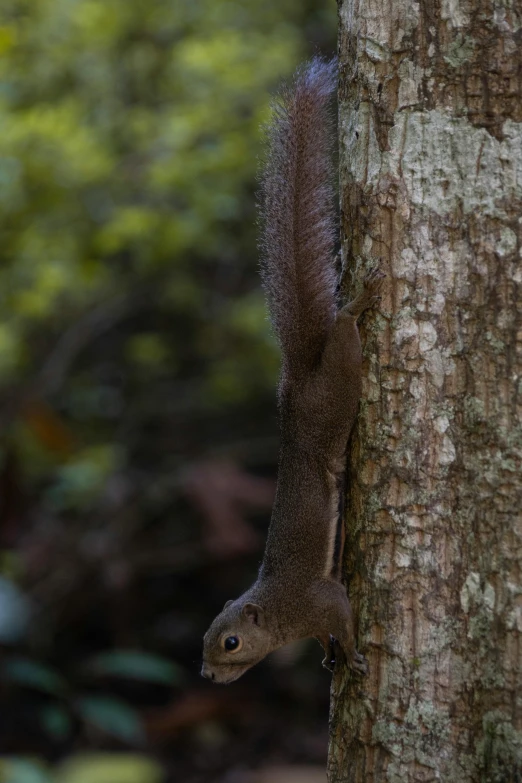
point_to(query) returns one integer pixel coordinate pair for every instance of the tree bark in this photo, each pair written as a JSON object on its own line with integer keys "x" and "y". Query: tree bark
{"x": 431, "y": 186}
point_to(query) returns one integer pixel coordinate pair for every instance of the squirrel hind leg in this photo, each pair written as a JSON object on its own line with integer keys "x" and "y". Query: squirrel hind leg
{"x": 370, "y": 294}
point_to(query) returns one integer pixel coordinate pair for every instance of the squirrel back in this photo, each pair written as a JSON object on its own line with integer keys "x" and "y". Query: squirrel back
{"x": 298, "y": 217}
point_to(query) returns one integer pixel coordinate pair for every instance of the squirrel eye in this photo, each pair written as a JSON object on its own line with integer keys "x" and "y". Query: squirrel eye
{"x": 232, "y": 644}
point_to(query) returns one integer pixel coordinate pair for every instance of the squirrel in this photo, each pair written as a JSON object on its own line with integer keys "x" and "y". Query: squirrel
{"x": 298, "y": 591}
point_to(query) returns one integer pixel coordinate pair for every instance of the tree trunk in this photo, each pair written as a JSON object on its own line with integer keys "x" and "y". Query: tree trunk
{"x": 431, "y": 184}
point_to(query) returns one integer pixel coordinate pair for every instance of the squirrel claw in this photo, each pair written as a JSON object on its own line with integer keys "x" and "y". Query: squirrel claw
{"x": 370, "y": 294}
{"x": 372, "y": 284}
{"x": 359, "y": 663}
{"x": 329, "y": 664}
{"x": 329, "y": 653}
{"x": 373, "y": 276}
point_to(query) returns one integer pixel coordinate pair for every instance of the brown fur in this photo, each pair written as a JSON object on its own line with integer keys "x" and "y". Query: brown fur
{"x": 298, "y": 592}
{"x": 298, "y": 217}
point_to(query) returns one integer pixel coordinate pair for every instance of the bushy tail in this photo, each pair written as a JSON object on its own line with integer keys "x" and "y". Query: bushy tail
{"x": 298, "y": 217}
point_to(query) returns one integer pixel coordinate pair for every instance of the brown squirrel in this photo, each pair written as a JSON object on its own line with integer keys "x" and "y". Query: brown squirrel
{"x": 298, "y": 592}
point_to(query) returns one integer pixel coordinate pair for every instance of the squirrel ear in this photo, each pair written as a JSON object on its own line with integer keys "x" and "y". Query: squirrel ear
{"x": 254, "y": 614}
{"x": 228, "y": 604}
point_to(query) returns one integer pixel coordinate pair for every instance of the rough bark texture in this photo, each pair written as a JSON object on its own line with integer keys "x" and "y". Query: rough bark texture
{"x": 431, "y": 184}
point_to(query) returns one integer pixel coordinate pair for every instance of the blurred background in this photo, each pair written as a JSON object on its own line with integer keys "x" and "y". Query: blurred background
{"x": 137, "y": 380}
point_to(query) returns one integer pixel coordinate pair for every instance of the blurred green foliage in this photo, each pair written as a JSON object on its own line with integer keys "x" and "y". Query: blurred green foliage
{"x": 93, "y": 768}
{"x": 133, "y": 334}
{"x": 129, "y": 147}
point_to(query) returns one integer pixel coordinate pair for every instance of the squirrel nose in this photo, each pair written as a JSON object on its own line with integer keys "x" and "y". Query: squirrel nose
{"x": 206, "y": 672}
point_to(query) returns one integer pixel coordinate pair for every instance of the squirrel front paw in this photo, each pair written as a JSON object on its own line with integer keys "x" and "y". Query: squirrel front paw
{"x": 335, "y": 652}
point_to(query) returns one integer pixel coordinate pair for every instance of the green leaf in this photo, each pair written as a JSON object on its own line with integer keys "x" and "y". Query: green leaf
{"x": 110, "y": 768}
{"x": 34, "y": 675}
{"x": 136, "y": 665}
{"x": 15, "y": 612}
{"x": 149, "y": 350}
{"x": 83, "y": 478}
{"x": 15, "y": 770}
{"x": 56, "y": 721}
{"x": 112, "y": 716}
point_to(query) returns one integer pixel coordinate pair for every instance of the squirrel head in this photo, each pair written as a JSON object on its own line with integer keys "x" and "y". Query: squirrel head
{"x": 237, "y": 640}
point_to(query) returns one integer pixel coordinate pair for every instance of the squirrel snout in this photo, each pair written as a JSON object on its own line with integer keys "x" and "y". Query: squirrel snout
{"x": 206, "y": 672}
